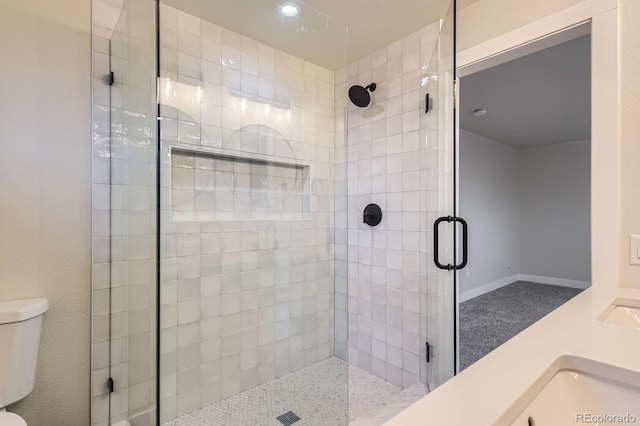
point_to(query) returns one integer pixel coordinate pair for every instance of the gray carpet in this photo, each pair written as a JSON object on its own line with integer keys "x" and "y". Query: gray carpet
{"x": 491, "y": 319}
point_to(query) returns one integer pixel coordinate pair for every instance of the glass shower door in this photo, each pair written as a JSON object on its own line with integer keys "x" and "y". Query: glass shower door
{"x": 133, "y": 240}
{"x": 440, "y": 222}
{"x": 247, "y": 140}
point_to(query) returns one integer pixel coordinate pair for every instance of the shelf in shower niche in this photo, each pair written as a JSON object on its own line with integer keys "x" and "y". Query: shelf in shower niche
{"x": 218, "y": 186}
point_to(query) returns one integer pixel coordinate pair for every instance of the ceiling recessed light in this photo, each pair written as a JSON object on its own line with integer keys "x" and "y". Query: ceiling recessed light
{"x": 289, "y": 10}
{"x": 480, "y": 112}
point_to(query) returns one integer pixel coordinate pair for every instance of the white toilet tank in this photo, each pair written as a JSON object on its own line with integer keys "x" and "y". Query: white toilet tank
{"x": 20, "y": 325}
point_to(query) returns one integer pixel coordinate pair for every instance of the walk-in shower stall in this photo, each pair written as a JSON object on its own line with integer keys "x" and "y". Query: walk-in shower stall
{"x": 270, "y": 253}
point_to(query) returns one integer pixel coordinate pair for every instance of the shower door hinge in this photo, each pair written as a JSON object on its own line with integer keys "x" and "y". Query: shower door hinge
{"x": 428, "y": 354}
{"x": 111, "y": 78}
{"x": 110, "y": 385}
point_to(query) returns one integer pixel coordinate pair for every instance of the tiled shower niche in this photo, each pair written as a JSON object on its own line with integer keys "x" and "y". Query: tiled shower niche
{"x": 219, "y": 187}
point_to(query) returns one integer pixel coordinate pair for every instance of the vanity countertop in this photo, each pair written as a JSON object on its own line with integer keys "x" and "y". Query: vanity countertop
{"x": 483, "y": 391}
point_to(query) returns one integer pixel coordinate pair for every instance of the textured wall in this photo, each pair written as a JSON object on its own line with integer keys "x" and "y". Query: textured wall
{"x": 629, "y": 14}
{"x": 45, "y": 193}
{"x": 487, "y": 19}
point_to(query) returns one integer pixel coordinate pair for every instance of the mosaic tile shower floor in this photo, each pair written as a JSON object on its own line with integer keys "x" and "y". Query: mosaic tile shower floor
{"x": 317, "y": 394}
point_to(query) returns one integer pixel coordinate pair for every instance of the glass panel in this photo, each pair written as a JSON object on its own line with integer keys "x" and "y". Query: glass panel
{"x": 133, "y": 216}
{"x": 397, "y": 160}
{"x": 440, "y": 201}
{"x": 388, "y": 262}
{"x": 248, "y": 179}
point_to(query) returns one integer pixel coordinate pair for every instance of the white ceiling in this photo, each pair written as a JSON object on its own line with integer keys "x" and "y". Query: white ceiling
{"x": 539, "y": 99}
{"x": 372, "y": 24}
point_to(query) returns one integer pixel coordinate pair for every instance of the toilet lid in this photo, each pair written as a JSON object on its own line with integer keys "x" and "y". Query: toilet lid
{"x": 11, "y": 419}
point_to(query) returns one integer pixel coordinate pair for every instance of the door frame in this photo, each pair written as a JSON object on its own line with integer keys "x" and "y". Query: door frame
{"x": 601, "y": 17}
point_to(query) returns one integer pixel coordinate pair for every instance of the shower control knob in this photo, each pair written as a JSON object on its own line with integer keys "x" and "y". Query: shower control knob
{"x": 372, "y": 215}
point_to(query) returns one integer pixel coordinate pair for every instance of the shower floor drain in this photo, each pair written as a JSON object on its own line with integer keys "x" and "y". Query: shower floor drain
{"x": 288, "y": 418}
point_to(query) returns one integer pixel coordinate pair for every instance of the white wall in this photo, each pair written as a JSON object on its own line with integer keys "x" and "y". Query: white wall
{"x": 45, "y": 193}
{"x": 629, "y": 39}
{"x": 489, "y": 196}
{"x": 486, "y": 19}
{"x": 555, "y": 211}
{"x": 528, "y": 212}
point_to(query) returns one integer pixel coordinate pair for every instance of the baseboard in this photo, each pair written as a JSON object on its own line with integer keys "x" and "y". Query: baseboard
{"x": 486, "y": 288}
{"x": 554, "y": 281}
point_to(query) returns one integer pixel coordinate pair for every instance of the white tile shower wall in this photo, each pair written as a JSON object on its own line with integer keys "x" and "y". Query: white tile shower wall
{"x": 243, "y": 302}
{"x": 123, "y": 278}
{"x": 210, "y": 187}
{"x": 381, "y": 272}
